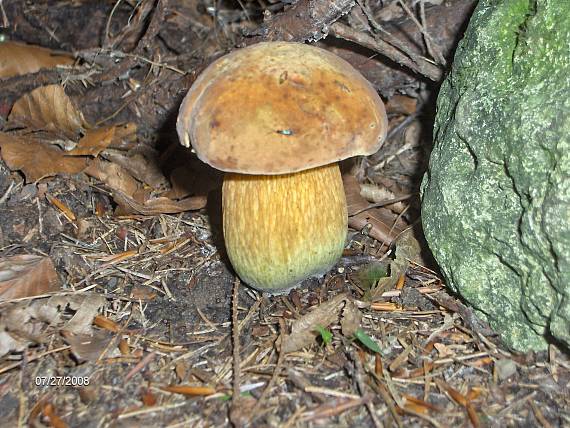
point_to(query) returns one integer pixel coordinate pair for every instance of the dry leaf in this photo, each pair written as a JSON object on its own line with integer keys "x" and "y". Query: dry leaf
{"x": 36, "y": 159}
{"x": 159, "y": 205}
{"x": 20, "y": 58}
{"x": 125, "y": 136}
{"x": 48, "y": 108}
{"x": 94, "y": 141}
{"x": 407, "y": 248}
{"x": 377, "y": 194}
{"x": 88, "y": 309}
{"x": 303, "y": 330}
{"x": 114, "y": 176}
{"x": 89, "y": 347}
{"x": 143, "y": 169}
{"x": 351, "y": 318}
{"x": 181, "y": 180}
{"x": 379, "y": 220}
{"x": 27, "y": 275}
{"x": 9, "y": 344}
{"x": 21, "y": 324}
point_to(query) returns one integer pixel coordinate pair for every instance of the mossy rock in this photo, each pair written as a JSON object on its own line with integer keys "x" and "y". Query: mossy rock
{"x": 496, "y": 197}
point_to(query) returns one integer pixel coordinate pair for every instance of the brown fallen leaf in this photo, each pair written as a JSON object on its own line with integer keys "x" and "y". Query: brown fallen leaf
{"x": 22, "y": 324}
{"x": 114, "y": 176}
{"x": 48, "y": 108}
{"x": 378, "y": 194}
{"x": 304, "y": 330}
{"x": 94, "y": 141}
{"x": 350, "y": 319}
{"x": 27, "y": 275}
{"x": 383, "y": 224}
{"x": 160, "y": 205}
{"x": 407, "y": 248}
{"x": 8, "y": 343}
{"x": 37, "y": 159}
{"x": 20, "y": 58}
{"x": 125, "y": 136}
{"x": 86, "y": 312}
{"x": 89, "y": 347}
{"x": 143, "y": 169}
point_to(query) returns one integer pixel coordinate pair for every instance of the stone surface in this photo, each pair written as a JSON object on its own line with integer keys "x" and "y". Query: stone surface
{"x": 496, "y": 198}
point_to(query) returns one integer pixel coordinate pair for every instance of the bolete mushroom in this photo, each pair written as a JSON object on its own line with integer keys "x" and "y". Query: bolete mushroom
{"x": 277, "y": 117}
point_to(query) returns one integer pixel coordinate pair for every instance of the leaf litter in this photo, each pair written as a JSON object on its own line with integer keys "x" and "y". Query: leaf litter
{"x": 143, "y": 303}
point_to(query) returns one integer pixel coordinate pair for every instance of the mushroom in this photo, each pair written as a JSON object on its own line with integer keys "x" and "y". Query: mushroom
{"x": 277, "y": 117}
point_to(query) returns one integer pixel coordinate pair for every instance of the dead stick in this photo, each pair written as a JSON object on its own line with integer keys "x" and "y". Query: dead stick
{"x": 235, "y": 412}
{"x": 422, "y": 67}
{"x": 274, "y": 376}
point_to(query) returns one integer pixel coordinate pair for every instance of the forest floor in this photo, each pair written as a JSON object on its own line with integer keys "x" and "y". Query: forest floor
{"x": 118, "y": 306}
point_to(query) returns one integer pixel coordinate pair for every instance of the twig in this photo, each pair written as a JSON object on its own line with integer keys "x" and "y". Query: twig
{"x": 140, "y": 365}
{"x": 236, "y": 416}
{"x": 435, "y": 53}
{"x": 274, "y": 376}
{"x": 384, "y": 203}
{"x": 358, "y": 377}
{"x": 420, "y": 66}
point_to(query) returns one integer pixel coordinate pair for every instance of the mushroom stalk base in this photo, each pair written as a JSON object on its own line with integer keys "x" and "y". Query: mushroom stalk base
{"x": 282, "y": 229}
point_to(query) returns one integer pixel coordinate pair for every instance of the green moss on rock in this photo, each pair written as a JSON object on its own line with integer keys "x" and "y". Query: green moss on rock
{"x": 496, "y": 198}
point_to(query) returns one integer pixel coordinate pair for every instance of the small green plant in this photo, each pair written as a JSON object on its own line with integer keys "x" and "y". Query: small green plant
{"x": 367, "y": 341}
{"x": 370, "y": 274}
{"x": 326, "y": 335}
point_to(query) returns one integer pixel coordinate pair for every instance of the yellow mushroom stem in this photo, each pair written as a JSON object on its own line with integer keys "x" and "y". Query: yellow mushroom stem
{"x": 282, "y": 229}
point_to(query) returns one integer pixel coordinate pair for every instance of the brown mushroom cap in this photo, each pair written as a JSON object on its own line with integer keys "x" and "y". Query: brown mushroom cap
{"x": 280, "y": 107}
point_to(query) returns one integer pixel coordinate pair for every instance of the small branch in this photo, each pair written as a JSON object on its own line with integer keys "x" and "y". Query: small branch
{"x": 418, "y": 64}
{"x": 236, "y": 416}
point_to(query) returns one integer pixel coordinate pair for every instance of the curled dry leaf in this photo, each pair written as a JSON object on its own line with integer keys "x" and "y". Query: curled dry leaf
{"x": 36, "y": 159}
{"x": 90, "y": 347}
{"x": 350, "y": 319}
{"x": 23, "y": 323}
{"x": 143, "y": 169}
{"x": 407, "y": 248}
{"x": 377, "y": 194}
{"x": 86, "y": 306}
{"x": 27, "y": 275}
{"x": 159, "y": 205}
{"x": 9, "y": 343}
{"x": 20, "y": 325}
{"x": 304, "y": 330}
{"x": 48, "y": 108}
{"x": 384, "y": 224}
{"x": 114, "y": 176}
{"x": 20, "y": 58}
{"x": 94, "y": 142}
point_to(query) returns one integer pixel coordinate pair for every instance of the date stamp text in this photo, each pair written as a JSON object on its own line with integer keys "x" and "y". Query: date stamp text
{"x": 62, "y": 380}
